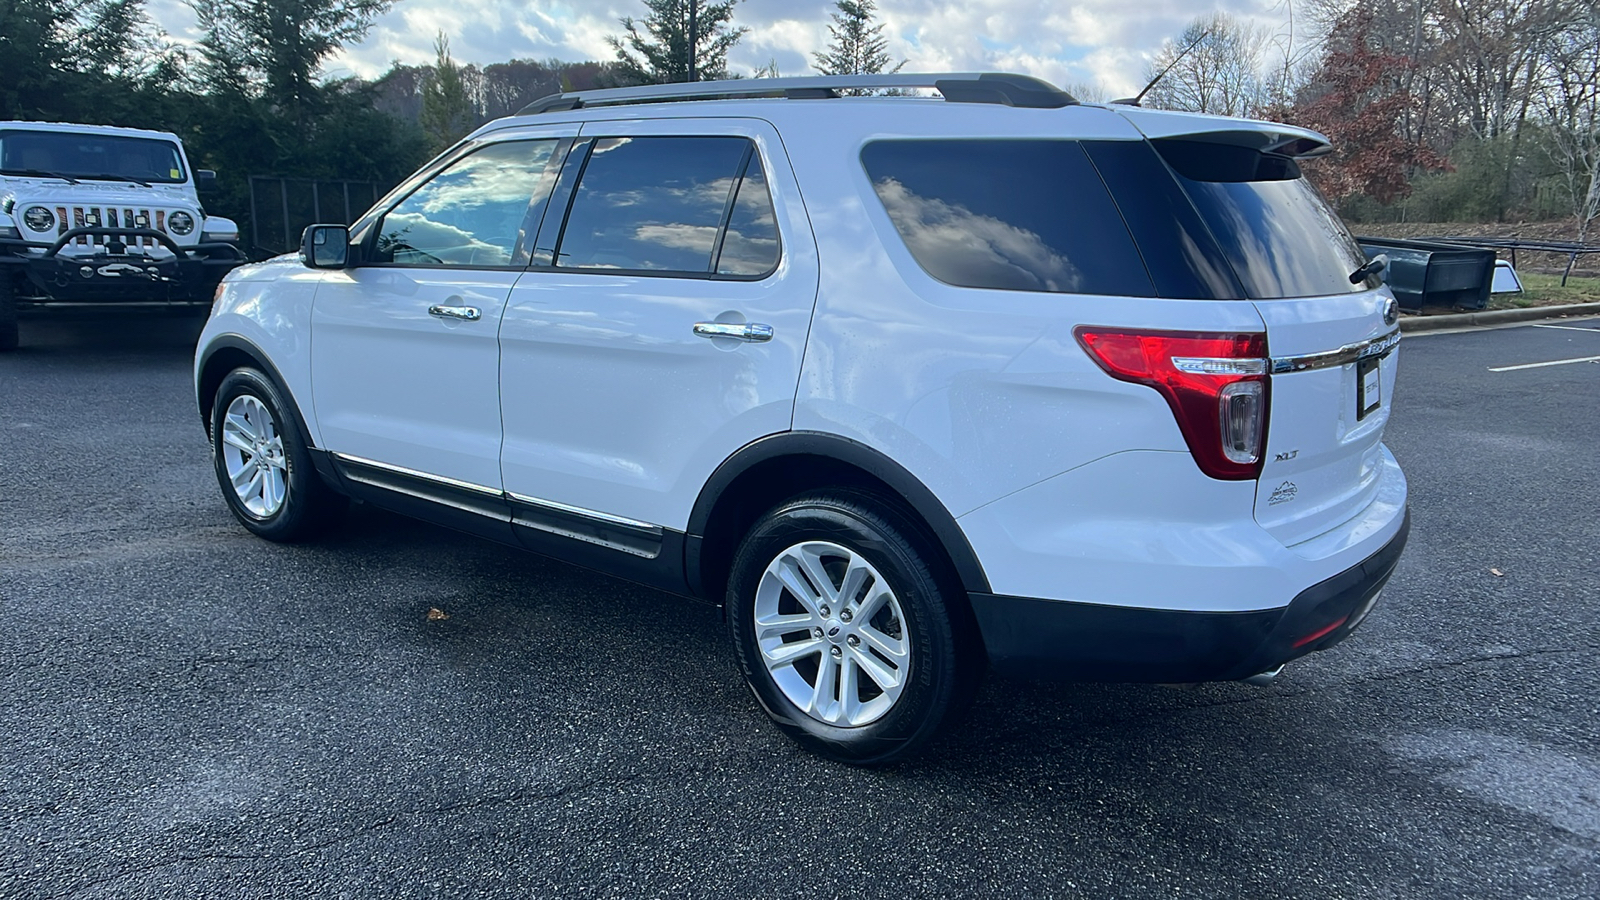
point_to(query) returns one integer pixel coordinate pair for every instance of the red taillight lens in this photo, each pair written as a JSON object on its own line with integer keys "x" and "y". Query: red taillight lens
{"x": 1215, "y": 383}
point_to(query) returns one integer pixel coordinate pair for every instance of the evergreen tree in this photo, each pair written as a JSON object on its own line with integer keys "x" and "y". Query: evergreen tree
{"x": 858, "y": 46}
{"x": 75, "y": 60}
{"x": 275, "y": 47}
{"x": 447, "y": 112}
{"x": 681, "y": 40}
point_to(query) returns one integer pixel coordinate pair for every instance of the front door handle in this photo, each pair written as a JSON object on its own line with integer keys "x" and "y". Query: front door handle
{"x": 753, "y": 332}
{"x": 470, "y": 313}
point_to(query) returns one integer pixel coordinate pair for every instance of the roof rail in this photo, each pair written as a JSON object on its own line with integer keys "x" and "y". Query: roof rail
{"x": 966, "y": 87}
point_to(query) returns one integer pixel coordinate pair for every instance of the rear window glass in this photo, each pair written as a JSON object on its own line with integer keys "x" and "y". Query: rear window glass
{"x": 1021, "y": 215}
{"x": 1281, "y": 236}
{"x": 671, "y": 204}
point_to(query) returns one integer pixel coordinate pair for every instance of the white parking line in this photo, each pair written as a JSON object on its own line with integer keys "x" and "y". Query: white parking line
{"x": 1553, "y": 362}
{"x": 1570, "y": 328}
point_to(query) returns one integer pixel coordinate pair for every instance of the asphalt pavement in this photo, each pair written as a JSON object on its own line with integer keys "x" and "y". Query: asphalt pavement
{"x": 188, "y": 711}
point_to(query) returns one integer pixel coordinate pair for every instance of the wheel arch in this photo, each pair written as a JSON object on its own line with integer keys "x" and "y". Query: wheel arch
{"x": 231, "y": 351}
{"x": 769, "y": 470}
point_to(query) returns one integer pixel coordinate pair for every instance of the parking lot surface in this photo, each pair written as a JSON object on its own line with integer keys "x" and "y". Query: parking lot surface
{"x": 188, "y": 711}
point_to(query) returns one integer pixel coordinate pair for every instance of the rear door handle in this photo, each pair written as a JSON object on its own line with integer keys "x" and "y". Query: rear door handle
{"x": 753, "y": 332}
{"x": 470, "y": 313}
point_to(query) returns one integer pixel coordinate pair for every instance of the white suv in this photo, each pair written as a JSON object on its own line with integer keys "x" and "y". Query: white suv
{"x": 911, "y": 385}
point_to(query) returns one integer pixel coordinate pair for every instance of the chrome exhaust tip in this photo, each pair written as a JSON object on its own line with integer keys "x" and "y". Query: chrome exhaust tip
{"x": 1264, "y": 678}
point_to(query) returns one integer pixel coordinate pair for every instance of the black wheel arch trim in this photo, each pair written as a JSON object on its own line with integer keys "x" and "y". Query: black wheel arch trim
{"x": 851, "y": 452}
{"x": 259, "y": 358}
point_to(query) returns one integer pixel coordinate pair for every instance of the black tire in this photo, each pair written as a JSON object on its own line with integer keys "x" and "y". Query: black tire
{"x": 944, "y": 661}
{"x": 308, "y": 505}
{"x": 8, "y": 312}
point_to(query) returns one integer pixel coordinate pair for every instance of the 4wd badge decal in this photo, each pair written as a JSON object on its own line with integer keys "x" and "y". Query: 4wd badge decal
{"x": 1283, "y": 493}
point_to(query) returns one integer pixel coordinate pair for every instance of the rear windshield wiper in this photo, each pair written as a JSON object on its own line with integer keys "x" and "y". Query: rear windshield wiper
{"x": 109, "y": 177}
{"x": 1376, "y": 265}
{"x": 40, "y": 173}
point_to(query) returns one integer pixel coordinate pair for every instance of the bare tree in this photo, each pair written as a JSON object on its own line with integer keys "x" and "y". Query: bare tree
{"x": 1571, "y": 96}
{"x": 1220, "y": 73}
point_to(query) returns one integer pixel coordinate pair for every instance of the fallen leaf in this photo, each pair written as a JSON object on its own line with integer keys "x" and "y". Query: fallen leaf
{"x": 435, "y": 614}
{"x": 1497, "y": 573}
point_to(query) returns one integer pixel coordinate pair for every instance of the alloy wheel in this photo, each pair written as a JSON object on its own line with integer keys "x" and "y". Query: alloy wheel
{"x": 252, "y": 453}
{"x": 832, "y": 634}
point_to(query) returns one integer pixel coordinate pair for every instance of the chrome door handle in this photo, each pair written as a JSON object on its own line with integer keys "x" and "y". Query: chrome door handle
{"x": 753, "y": 332}
{"x": 470, "y": 313}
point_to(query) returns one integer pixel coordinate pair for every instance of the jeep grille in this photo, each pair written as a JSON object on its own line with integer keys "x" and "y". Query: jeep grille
{"x": 110, "y": 217}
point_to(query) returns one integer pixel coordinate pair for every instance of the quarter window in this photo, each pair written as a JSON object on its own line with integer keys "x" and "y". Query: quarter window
{"x": 1022, "y": 215}
{"x": 474, "y": 213}
{"x": 750, "y": 246}
{"x": 671, "y": 204}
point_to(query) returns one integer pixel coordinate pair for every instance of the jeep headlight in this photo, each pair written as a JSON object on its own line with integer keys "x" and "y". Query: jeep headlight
{"x": 180, "y": 223}
{"x": 39, "y": 218}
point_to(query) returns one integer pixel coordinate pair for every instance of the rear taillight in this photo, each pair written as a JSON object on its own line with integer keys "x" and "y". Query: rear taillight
{"x": 1216, "y": 384}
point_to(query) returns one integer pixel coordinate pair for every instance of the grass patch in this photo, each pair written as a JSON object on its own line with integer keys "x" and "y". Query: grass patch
{"x": 1546, "y": 290}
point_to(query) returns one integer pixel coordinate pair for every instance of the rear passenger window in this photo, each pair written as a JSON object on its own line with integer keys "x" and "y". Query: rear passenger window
{"x": 1021, "y": 215}
{"x": 671, "y": 205}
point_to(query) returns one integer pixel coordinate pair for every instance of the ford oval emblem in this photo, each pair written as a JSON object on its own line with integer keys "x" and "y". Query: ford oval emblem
{"x": 1391, "y": 311}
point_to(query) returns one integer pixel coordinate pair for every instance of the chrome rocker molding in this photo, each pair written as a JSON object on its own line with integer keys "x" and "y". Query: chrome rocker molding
{"x": 402, "y": 470}
{"x": 1376, "y": 348}
{"x": 625, "y": 535}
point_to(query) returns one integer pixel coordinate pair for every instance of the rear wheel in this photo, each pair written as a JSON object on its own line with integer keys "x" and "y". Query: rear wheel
{"x": 8, "y": 312}
{"x": 840, "y": 620}
{"x": 262, "y": 462}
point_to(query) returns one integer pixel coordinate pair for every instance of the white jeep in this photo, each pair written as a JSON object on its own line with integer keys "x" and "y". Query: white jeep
{"x": 912, "y": 386}
{"x": 92, "y": 215}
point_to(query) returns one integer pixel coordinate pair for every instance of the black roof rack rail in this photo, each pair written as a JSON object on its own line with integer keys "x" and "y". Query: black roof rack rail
{"x": 966, "y": 87}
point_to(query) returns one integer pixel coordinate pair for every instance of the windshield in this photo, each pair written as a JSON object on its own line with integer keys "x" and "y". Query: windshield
{"x": 90, "y": 156}
{"x": 1274, "y": 227}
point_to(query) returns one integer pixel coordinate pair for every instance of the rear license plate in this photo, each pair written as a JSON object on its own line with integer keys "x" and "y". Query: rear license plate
{"x": 1368, "y": 387}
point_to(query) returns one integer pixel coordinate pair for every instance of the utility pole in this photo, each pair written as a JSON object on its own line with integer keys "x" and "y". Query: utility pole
{"x": 693, "y": 38}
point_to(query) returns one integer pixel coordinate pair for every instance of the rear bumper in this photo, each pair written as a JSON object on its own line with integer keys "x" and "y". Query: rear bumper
{"x": 1035, "y": 638}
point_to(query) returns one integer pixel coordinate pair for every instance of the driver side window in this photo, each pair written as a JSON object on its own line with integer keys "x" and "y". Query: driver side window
{"x": 473, "y": 213}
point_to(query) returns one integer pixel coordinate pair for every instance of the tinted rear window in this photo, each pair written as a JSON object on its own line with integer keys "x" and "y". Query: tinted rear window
{"x": 1021, "y": 215}
{"x": 1280, "y": 235}
{"x": 660, "y": 204}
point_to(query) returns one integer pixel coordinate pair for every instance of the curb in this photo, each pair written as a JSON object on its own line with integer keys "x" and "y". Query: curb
{"x": 1497, "y": 317}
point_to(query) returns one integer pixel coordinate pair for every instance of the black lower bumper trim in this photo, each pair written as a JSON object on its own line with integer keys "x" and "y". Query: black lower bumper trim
{"x": 1056, "y": 639}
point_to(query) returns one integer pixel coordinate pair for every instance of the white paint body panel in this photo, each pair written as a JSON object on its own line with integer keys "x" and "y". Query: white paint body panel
{"x": 1334, "y": 456}
{"x": 394, "y": 384}
{"x": 613, "y": 404}
{"x": 268, "y": 304}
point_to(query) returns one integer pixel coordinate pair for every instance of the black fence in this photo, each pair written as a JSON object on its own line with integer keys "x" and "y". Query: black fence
{"x": 281, "y": 208}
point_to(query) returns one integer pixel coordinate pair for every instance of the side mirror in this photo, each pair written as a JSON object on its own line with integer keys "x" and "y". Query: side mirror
{"x": 205, "y": 180}
{"x": 325, "y": 246}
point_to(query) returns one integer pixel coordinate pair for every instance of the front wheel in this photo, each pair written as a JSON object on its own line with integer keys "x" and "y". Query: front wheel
{"x": 844, "y": 630}
{"x": 262, "y": 462}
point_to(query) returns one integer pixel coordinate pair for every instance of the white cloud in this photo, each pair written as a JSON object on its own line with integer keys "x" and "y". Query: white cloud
{"x": 1102, "y": 42}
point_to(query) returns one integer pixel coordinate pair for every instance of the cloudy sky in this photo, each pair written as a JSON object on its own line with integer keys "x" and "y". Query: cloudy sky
{"x": 1100, "y": 43}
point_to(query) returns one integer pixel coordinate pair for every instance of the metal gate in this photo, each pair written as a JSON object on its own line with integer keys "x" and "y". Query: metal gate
{"x": 281, "y": 208}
